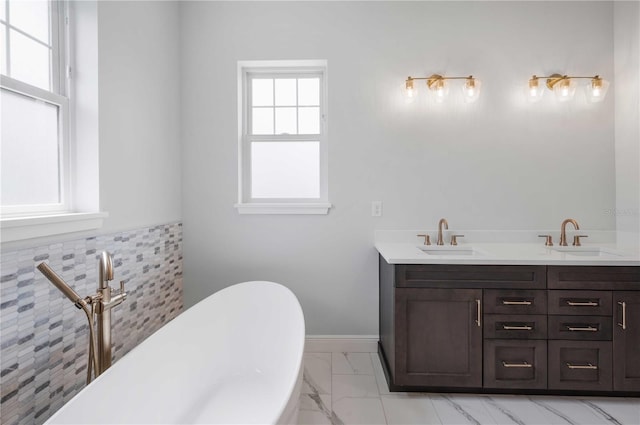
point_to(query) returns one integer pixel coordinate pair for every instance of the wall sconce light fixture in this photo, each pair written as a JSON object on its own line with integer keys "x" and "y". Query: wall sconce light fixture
{"x": 564, "y": 87}
{"x": 439, "y": 88}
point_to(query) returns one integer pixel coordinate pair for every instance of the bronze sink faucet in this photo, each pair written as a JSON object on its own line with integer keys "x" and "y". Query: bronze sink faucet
{"x": 446, "y": 226}
{"x": 563, "y": 230}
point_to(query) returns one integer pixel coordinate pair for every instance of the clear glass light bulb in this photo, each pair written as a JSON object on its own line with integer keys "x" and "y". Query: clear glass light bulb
{"x": 534, "y": 90}
{"x": 471, "y": 89}
{"x": 597, "y": 89}
{"x": 409, "y": 92}
{"x": 565, "y": 89}
{"x": 440, "y": 91}
{"x": 409, "y": 89}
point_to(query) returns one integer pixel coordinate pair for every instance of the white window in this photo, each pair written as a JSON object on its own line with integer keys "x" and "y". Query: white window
{"x": 34, "y": 108}
{"x": 283, "y": 137}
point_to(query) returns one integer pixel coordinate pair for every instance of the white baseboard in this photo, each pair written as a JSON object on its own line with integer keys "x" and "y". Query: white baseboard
{"x": 341, "y": 343}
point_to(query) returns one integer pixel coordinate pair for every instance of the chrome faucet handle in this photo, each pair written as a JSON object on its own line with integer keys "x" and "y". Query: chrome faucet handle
{"x": 576, "y": 239}
{"x": 122, "y": 292}
{"x": 454, "y": 239}
{"x": 114, "y": 291}
{"x": 548, "y": 241}
{"x": 427, "y": 239}
{"x": 116, "y": 298}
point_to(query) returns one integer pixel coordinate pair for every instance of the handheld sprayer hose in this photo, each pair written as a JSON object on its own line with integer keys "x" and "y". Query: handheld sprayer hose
{"x": 93, "y": 355}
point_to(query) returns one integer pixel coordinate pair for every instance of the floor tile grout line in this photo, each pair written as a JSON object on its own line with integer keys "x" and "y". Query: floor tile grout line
{"x": 436, "y": 411}
{"x": 384, "y": 411}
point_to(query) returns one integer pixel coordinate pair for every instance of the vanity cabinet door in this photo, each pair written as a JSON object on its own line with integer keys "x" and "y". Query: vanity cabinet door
{"x": 626, "y": 341}
{"x": 439, "y": 338}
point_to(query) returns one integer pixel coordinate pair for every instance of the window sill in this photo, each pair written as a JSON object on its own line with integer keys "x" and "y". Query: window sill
{"x": 20, "y": 228}
{"x": 300, "y": 208}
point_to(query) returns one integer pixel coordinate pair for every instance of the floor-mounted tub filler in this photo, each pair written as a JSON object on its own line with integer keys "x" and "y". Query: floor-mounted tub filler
{"x": 233, "y": 358}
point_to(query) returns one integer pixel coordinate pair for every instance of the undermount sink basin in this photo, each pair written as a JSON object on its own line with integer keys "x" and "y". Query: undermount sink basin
{"x": 449, "y": 250}
{"x": 587, "y": 251}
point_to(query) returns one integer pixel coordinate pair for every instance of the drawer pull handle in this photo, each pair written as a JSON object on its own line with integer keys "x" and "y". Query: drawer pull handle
{"x": 479, "y": 313}
{"x": 623, "y": 325}
{"x": 517, "y": 328}
{"x": 583, "y": 303}
{"x": 516, "y": 302}
{"x": 582, "y": 366}
{"x": 520, "y": 365}
{"x": 582, "y": 329}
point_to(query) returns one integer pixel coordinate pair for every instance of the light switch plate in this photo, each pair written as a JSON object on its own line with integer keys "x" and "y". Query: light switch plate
{"x": 376, "y": 209}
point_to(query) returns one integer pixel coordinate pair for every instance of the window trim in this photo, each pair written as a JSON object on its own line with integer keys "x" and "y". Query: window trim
{"x": 274, "y": 69}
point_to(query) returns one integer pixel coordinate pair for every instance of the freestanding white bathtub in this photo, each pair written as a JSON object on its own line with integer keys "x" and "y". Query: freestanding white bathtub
{"x": 233, "y": 358}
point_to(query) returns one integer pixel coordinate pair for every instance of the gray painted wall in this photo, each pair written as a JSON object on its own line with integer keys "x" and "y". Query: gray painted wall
{"x": 627, "y": 123}
{"x": 498, "y": 164}
{"x": 139, "y": 83}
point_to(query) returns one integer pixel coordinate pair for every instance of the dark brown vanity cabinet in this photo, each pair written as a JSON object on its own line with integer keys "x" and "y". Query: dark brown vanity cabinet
{"x": 484, "y": 328}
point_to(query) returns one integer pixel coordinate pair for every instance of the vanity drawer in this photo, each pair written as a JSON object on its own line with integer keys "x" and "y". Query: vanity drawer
{"x": 515, "y": 364}
{"x": 580, "y": 365}
{"x": 607, "y": 278}
{"x": 512, "y": 326}
{"x": 518, "y": 301}
{"x": 469, "y": 276}
{"x": 580, "y": 303}
{"x": 584, "y": 328}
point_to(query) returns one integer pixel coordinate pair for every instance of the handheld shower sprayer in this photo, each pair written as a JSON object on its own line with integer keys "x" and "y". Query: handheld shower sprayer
{"x": 80, "y": 303}
{"x": 100, "y": 304}
{"x": 76, "y": 299}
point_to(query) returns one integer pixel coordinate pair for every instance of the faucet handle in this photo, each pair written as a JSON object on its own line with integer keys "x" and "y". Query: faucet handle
{"x": 120, "y": 292}
{"x": 576, "y": 239}
{"x": 454, "y": 239}
{"x": 427, "y": 239}
{"x": 548, "y": 241}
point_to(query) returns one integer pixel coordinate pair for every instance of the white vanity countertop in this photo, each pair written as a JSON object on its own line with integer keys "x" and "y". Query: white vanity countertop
{"x": 518, "y": 248}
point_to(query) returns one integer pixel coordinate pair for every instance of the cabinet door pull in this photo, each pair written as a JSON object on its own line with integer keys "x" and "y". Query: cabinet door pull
{"x": 583, "y": 303}
{"x": 505, "y": 302}
{"x": 623, "y": 325}
{"x": 479, "y": 313}
{"x": 582, "y": 366}
{"x": 517, "y": 328}
{"x": 523, "y": 364}
{"x": 582, "y": 329}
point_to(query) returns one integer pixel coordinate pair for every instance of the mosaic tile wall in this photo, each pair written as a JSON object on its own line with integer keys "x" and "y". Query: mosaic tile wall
{"x": 44, "y": 338}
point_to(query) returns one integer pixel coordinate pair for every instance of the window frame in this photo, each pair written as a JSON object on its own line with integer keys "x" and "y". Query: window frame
{"x": 247, "y": 70}
{"x": 57, "y": 96}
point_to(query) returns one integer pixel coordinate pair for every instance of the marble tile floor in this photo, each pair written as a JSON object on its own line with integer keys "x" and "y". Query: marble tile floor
{"x": 350, "y": 388}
